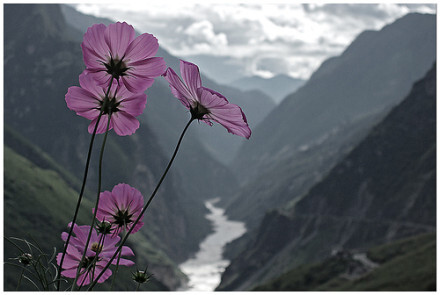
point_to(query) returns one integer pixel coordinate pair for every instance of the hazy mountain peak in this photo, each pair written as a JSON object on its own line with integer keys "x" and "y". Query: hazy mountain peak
{"x": 276, "y": 87}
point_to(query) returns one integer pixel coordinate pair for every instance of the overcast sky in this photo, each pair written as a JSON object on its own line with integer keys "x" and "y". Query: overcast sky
{"x": 254, "y": 39}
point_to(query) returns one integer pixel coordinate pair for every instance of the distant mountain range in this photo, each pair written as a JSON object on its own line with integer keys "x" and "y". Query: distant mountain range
{"x": 383, "y": 190}
{"x": 277, "y": 87}
{"x": 315, "y": 127}
{"x": 344, "y": 162}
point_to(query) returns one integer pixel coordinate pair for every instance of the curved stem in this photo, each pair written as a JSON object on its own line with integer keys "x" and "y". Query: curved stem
{"x": 19, "y": 280}
{"x": 145, "y": 207}
{"x": 97, "y": 201}
{"x": 79, "y": 201}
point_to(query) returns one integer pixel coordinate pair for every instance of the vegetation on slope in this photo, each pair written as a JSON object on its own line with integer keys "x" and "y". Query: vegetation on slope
{"x": 405, "y": 265}
{"x": 36, "y": 203}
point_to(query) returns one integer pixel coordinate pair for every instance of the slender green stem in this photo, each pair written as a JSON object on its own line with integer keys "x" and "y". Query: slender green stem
{"x": 78, "y": 202}
{"x": 116, "y": 271}
{"x": 97, "y": 201}
{"x": 145, "y": 207}
{"x": 19, "y": 280}
{"x": 117, "y": 263}
{"x": 137, "y": 288}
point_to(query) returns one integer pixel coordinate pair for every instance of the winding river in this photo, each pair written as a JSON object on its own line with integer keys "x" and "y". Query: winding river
{"x": 204, "y": 270}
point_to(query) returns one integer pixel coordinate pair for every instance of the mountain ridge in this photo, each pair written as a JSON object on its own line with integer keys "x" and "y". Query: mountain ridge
{"x": 276, "y": 87}
{"x": 312, "y": 129}
{"x": 383, "y": 190}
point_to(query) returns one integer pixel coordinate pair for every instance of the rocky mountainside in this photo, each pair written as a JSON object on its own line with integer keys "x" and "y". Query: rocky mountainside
{"x": 404, "y": 265}
{"x": 385, "y": 189}
{"x": 312, "y": 129}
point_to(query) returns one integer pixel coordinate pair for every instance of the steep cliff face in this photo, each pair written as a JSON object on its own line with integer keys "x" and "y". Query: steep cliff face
{"x": 315, "y": 127}
{"x": 385, "y": 189}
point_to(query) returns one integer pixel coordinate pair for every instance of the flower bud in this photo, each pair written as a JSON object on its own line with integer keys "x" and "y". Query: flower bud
{"x": 104, "y": 227}
{"x": 141, "y": 277}
{"x": 25, "y": 258}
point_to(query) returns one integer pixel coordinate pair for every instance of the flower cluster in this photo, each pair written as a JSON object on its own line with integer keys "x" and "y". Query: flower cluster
{"x": 99, "y": 252}
{"x": 121, "y": 206}
{"x": 119, "y": 69}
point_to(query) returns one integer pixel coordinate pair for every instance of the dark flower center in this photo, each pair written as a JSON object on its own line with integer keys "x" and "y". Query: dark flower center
{"x": 88, "y": 261}
{"x": 122, "y": 218}
{"x": 96, "y": 247}
{"x": 198, "y": 111}
{"x": 116, "y": 67}
{"x": 109, "y": 105}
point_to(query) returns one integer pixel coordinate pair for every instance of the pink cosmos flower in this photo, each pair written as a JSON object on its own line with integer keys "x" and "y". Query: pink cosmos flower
{"x": 121, "y": 207}
{"x": 100, "y": 250}
{"x": 89, "y": 99}
{"x": 114, "y": 52}
{"x": 206, "y": 104}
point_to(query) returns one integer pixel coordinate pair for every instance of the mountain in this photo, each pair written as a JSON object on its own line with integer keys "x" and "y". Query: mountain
{"x": 42, "y": 58}
{"x": 38, "y": 197}
{"x": 383, "y": 190}
{"x": 276, "y": 87}
{"x": 222, "y": 69}
{"x": 208, "y": 142}
{"x": 315, "y": 127}
{"x": 404, "y": 265}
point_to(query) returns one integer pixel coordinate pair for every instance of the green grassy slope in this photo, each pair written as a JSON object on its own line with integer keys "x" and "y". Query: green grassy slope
{"x": 405, "y": 265}
{"x": 36, "y": 203}
{"x": 409, "y": 265}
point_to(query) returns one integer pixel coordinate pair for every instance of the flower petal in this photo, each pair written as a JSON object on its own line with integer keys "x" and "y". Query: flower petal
{"x": 95, "y": 49}
{"x": 144, "y": 46}
{"x": 83, "y": 102}
{"x": 124, "y": 123}
{"x": 210, "y": 98}
{"x": 137, "y": 226}
{"x": 118, "y": 37}
{"x": 191, "y": 76}
{"x": 104, "y": 276}
{"x": 124, "y": 262}
{"x": 178, "y": 89}
{"x": 147, "y": 68}
{"x": 136, "y": 84}
{"x": 229, "y": 115}
{"x": 120, "y": 194}
{"x": 133, "y": 104}
{"x": 69, "y": 273}
{"x": 102, "y": 126}
{"x": 88, "y": 82}
{"x": 126, "y": 251}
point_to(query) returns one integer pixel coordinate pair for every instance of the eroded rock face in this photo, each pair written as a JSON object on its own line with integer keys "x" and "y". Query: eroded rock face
{"x": 383, "y": 190}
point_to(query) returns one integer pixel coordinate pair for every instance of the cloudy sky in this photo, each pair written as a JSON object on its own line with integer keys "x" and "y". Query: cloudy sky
{"x": 230, "y": 41}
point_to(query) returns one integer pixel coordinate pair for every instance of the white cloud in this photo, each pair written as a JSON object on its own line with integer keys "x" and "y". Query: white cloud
{"x": 264, "y": 38}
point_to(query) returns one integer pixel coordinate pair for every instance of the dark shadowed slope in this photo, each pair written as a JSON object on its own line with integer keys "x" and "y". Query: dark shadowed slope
{"x": 385, "y": 189}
